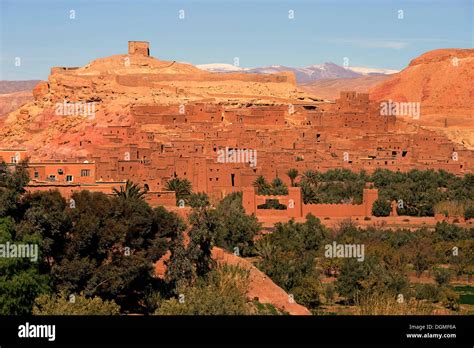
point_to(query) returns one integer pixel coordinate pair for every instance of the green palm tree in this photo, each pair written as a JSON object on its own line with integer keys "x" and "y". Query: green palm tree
{"x": 130, "y": 191}
{"x": 278, "y": 187}
{"x": 263, "y": 188}
{"x": 292, "y": 174}
{"x": 182, "y": 187}
{"x": 311, "y": 177}
{"x": 309, "y": 193}
{"x": 265, "y": 249}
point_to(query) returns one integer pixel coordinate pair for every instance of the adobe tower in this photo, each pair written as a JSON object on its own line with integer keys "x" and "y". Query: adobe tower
{"x": 139, "y": 48}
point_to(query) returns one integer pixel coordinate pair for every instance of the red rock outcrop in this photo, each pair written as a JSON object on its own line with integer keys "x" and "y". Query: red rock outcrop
{"x": 12, "y": 101}
{"x": 41, "y": 90}
{"x": 442, "y": 80}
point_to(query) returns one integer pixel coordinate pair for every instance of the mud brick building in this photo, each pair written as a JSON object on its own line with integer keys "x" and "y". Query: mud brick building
{"x": 157, "y": 120}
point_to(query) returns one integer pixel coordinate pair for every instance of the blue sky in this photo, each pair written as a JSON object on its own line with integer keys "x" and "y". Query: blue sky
{"x": 259, "y": 32}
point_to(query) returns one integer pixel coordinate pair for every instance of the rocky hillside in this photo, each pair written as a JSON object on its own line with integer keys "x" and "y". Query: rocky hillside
{"x": 442, "y": 81}
{"x": 331, "y": 88}
{"x": 17, "y": 86}
{"x": 14, "y": 94}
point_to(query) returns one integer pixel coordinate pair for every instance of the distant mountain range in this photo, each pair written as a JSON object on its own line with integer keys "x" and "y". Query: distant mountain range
{"x": 14, "y": 94}
{"x": 16, "y": 86}
{"x": 303, "y": 75}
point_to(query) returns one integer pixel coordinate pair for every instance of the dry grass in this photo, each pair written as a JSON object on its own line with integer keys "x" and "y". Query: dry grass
{"x": 385, "y": 304}
{"x": 452, "y": 208}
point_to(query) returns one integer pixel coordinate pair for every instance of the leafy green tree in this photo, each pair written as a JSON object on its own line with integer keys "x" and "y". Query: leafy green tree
{"x": 289, "y": 253}
{"x": 236, "y": 229}
{"x": 442, "y": 276}
{"x": 221, "y": 292}
{"x": 377, "y": 273}
{"x": 74, "y": 305}
{"x": 111, "y": 248}
{"x": 422, "y": 259}
{"x": 469, "y": 213}
{"x": 199, "y": 200}
{"x": 180, "y": 271}
{"x": 381, "y": 208}
{"x": 20, "y": 279}
{"x": 44, "y": 214}
{"x": 308, "y": 292}
{"x": 12, "y": 186}
{"x": 204, "y": 226}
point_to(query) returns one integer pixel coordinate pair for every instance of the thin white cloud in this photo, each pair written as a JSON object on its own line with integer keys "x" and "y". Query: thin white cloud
{"x": 371, "y": 43}
{"x": 395, "y": 44}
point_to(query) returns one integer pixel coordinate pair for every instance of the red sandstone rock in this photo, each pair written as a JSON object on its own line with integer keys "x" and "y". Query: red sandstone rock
{"x": 41, "y": 90}
{"x": 441, "y": 80}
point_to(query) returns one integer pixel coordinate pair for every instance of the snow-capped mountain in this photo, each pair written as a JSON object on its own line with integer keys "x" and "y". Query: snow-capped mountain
{"x": 303, "y": 75}
{"x": 220, "y": 67}
{"x": 372, "y": 71}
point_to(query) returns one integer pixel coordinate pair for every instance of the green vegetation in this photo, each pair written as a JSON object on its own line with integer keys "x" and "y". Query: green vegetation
{"x": 292, "y": 174}
{"x": 74, "y": 305}
{"x": 419, "y": 193}
{"x": 182, "y": 188}
{"x": 236, "y": 231}
{"x": 276, "y": 188}
{"x": 294, "y": 257}
{"x": 102, "y": 249}
{"x": 381, "y": 208}
{"x": 221, "y": 292}
{"x": 288, "y": 256}
{"x": 130, "y": 191}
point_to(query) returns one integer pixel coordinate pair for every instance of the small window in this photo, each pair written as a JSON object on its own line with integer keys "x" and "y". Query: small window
{"x": 60, "y": 172}
{"x": 13, "y": 159}
{"x": 36, "y": 175}
{"x": 52, "y": 177}
{"x": 85, "y": 172}
{"x": 69, "y": 178}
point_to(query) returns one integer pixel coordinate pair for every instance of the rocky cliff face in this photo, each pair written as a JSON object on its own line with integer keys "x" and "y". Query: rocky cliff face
{"x": 12, "y": 101}
{"x": 114, "y": 84}
{"x": 442, "y": 80}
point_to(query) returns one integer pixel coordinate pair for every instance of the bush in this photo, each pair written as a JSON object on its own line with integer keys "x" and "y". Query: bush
{"x": 329, "y": 293}
{"x": 442, "y": 276}
{"x": 452, "y": 300}
{"x": 428, "y": 292}
{"x": 469, "y": 213}
{"x": 307, "y": 293}
{"x": 222, "y": 292}
{"x": 77, "y": 305}
{"x": 381, "y": 208}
